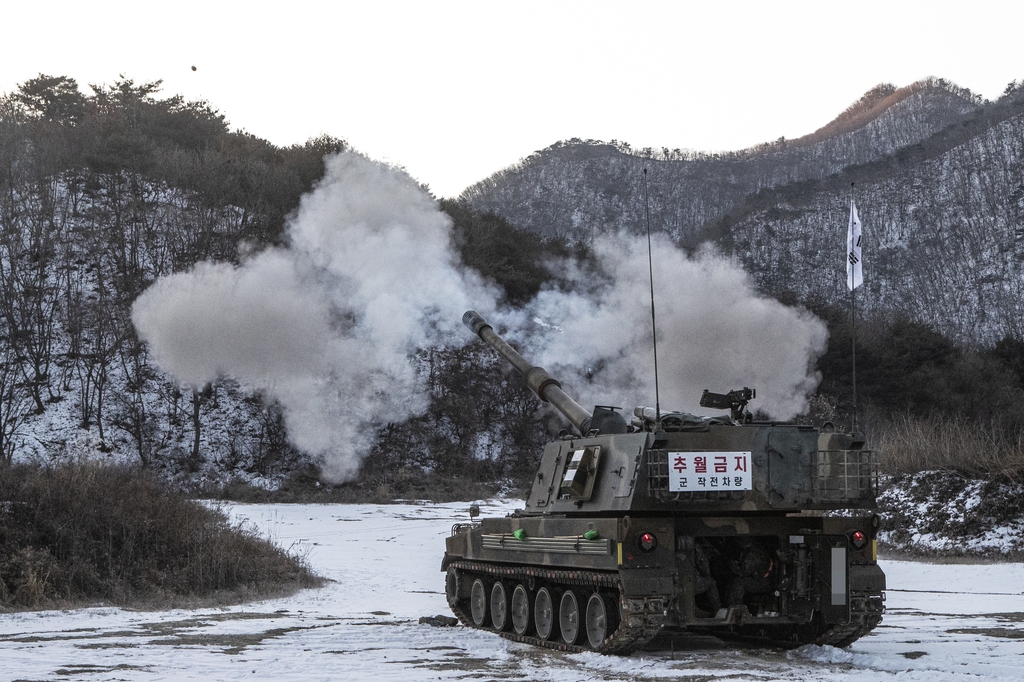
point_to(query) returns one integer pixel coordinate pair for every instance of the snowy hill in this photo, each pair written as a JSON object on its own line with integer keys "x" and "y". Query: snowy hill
{"x": 940, "y": 186}
{"x": 300, "y": 311}
{"x": 273, "y": 351}
{"x": 578, "y": 188}
{"x": 942, "y": 230}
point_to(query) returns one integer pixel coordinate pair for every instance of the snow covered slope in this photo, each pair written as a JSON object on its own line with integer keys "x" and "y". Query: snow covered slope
{"x": 944, "y": 513}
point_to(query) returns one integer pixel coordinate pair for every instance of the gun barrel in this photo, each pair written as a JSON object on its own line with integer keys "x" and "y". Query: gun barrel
{"x": 540, "y": 382}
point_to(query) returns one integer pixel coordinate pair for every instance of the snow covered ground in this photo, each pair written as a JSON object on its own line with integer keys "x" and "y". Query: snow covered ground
{"x": 944, "y": 622}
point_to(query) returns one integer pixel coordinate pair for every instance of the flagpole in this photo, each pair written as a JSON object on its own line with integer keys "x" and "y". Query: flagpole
{"x": 853, "y": 324}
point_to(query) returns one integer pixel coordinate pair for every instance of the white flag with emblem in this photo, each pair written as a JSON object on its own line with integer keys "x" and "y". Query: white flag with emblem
{"x": 854, "y": 273}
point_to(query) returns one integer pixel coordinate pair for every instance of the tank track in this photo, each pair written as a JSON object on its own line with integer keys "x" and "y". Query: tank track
{"x": 866, "y": 611}
{"x": 865, "y": 615}
{"x": 640, "y": 619}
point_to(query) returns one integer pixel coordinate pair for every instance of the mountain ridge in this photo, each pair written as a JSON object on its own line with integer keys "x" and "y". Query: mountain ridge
{"x": 943, "y": 230}
{"x": 939, "y": 180}
{"x": 575, "y": 188}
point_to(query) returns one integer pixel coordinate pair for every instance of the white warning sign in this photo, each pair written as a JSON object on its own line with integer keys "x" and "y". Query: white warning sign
{"x": 704, "y": 471}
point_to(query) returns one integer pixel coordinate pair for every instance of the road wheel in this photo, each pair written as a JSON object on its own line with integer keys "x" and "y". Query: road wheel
{"x": 478, "y": 603}
{"x": 544, "y": 613}
{"x": 599, "y": 619}
{"x": 569, "y": 617}
{"x": 499, "y": 607}
{"x": 451, "y": 585}
{"x": 520, "y": 609}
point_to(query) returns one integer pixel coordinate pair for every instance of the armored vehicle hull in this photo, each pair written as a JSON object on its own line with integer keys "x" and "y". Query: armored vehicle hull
{"x": 712, "y": 525}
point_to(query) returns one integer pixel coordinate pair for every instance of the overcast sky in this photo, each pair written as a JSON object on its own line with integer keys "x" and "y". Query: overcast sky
{"x": 455, "y": 91}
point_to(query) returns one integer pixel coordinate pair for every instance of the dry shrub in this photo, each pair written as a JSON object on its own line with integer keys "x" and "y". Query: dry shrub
{"x": 84, "y": 532}
{"x": 910, "y": 444}
{"x": 28, "y": 576}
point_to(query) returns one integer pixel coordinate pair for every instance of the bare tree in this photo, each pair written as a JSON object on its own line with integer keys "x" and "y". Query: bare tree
{"x": 199, "y": 398}
{"x": 132, "y": 413}
{"x": 14, "y": 404}
{"x": 31, "y": 232}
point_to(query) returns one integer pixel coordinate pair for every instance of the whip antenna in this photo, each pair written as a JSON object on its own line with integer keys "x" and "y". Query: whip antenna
{"x": 654, "y": 326}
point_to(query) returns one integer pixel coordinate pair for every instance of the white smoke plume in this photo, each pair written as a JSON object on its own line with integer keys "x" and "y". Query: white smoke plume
{"x": 714, "y": 332}
{"x": 327, "y": 326}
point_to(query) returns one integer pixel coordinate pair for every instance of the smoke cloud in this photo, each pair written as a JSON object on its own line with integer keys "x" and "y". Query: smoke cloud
{"x": 327, "y": 326}
{"x": 714, "y": 332}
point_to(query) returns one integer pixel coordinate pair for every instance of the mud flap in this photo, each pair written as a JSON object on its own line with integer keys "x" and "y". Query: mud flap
{"x": 867, "y": 578}
{"x": 647, "y": 582}
{"x": 833, "y": 575}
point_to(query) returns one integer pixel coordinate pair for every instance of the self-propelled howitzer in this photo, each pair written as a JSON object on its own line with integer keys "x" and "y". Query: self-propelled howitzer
{"x": 708, "y": 524}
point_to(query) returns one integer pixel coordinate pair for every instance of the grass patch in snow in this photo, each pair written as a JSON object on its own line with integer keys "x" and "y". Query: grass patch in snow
{"x": 81, "y": 533}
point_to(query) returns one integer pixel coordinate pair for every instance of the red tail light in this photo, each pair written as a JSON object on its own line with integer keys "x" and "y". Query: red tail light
{"x": 858, "y": 540}
{"x": 648, "y": 542}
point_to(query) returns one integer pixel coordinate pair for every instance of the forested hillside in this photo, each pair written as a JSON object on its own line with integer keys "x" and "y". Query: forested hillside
{"x": 942, "y": 238}
{"x": 103, "y": 193}
{"x": 940, "y": 187}
{"x": 107, "y": 191}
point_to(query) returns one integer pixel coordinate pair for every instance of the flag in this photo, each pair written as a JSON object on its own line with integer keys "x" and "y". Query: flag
{"x": 854, "y": 273}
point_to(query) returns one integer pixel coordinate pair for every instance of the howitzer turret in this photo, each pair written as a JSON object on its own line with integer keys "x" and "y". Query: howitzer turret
{"x": 674, "y": 521}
